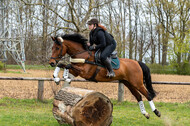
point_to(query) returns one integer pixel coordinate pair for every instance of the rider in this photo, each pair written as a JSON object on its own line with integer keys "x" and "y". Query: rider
{"x": 104, "y": 41}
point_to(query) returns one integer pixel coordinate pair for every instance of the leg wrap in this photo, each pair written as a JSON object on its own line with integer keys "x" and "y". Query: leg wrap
{"x": 56, "y": 72}
{"x": 142, "y": 108}
{"x": 66, "y": 73}
{"x": 151, "y": 103}
{"x": 68, "y": 80}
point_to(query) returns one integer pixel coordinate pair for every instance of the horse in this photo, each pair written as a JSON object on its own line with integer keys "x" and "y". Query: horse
{"x": 135, "y": 75}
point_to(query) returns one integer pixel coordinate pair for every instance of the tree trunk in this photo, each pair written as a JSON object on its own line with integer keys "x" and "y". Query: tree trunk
{"x": 136, "y": 29}
{"x": 159, "y": 44}
{"x": 152, "y": 41}
{"x": 82, "y": 107}
{"x": 45, "y": 28}
{"x": 130, "y": 32}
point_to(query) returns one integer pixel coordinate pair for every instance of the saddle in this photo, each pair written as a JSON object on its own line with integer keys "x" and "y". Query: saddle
{"x": 113, "y": 57}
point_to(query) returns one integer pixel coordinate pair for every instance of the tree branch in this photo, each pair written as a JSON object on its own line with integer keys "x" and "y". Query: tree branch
{"x": 40, "y": 4}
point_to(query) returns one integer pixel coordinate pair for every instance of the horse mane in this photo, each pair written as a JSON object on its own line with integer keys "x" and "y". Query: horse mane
{"x": 76, "y": 38}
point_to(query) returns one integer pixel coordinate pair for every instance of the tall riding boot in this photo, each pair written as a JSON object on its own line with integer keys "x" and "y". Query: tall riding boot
{"x": 108, "y": 65}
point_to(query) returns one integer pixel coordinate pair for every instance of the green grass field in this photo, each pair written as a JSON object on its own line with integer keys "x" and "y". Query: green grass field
{"x": 30, "y": 112}
{"x": 29, "y": 67}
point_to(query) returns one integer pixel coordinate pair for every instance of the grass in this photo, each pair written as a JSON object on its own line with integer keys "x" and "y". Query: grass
{"x": 30, "y": 112}
{"x": 173, "y": 114}
{"x": 16, "y": 112}
{"x": 28, "y": 67}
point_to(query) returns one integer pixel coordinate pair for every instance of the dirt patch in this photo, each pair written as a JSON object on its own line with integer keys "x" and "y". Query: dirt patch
{"x": 28, "y": 89}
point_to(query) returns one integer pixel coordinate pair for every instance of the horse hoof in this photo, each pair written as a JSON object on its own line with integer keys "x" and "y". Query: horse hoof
{"x": 147, "y": 115}
{"x": 157, "y": 113}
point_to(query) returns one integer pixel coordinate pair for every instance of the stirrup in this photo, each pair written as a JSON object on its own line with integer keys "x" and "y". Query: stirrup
{"x": 110, "y": 74}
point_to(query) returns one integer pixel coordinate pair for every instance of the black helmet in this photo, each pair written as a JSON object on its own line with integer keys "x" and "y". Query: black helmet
{"x": 93, "y": 21}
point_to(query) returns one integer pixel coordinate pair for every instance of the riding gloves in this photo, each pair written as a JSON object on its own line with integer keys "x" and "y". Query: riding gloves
{"x": 92, "y": 48}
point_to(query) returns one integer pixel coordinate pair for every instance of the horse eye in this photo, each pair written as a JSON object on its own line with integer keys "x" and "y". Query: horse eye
{"x": 57, "y": 48}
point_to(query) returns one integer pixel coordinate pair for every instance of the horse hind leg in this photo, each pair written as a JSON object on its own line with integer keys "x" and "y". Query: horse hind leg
{"x": 148, "y": 92}
{"x": 145, "y": 92}
{"x": 138, "y": 97}
{"x": 151, "y": 103}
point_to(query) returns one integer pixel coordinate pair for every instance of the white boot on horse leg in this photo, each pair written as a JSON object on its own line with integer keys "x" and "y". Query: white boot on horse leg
{"x": 67, "y": 78}
{"x": 55, "y": 75}
{"x": 66, "y": 73}
{"x": 143, "y": 111}
{"x": 151, "y": 103}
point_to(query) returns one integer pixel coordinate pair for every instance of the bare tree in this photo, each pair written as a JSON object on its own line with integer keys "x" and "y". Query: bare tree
{"x": 139, "y": 27}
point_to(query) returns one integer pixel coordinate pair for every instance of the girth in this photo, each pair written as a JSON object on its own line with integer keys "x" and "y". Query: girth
{"x": 92, "y": 78}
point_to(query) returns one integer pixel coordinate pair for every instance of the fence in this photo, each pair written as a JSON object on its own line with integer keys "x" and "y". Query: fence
{"x": 120, "y": 85}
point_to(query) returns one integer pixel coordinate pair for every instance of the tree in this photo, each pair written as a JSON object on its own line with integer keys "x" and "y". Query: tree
{"x": 130, "y": 32}
{"x": 140, "y": 28}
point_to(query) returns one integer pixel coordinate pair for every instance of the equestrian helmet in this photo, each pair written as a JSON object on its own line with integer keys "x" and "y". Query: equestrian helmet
{"x": 93, "y": 21}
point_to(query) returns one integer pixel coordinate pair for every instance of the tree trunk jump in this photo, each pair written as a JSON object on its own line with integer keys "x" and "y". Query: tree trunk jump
{"x": 82, "y": 107}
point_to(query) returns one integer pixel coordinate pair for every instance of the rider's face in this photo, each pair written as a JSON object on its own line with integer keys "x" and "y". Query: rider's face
{"x": 91, "y": 27}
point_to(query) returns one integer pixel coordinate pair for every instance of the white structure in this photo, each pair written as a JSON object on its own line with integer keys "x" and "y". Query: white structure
{"x": 11, "y": 33}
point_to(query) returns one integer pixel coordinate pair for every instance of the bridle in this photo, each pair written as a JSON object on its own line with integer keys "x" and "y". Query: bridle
{"x": 57, "y": 59}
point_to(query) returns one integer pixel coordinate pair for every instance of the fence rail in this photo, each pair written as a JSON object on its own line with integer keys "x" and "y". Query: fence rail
{"x": 83, "y": 80}
{"x": 120, "y": 85}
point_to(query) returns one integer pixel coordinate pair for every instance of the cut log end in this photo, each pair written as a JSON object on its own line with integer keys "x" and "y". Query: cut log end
{"x": 92, "y": 109}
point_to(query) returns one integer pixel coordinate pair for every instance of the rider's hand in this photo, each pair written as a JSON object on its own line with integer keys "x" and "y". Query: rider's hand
{"x": 91, "y": 48}
{"x": 88, "y": 43}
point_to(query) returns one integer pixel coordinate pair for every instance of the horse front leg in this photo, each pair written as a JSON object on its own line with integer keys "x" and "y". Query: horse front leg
{"x": 73, "y": 70}
{"x": 68, "y": 74}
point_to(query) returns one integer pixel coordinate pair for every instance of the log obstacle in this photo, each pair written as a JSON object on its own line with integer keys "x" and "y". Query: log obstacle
{"x": 82, "y": 107}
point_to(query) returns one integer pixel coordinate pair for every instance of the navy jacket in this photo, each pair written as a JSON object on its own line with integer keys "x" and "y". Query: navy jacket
{"x": 101, "y": 38}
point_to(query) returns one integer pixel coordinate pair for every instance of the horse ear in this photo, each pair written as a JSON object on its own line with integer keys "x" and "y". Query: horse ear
{"x": 53, "y": 38}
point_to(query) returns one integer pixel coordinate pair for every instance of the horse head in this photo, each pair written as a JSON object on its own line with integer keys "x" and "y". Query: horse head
{"x": 58, "y": 50}
{"x": 72, "y": 44}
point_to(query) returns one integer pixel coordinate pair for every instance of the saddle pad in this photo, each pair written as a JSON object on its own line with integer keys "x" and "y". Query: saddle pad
{"x": 115, "y": 63}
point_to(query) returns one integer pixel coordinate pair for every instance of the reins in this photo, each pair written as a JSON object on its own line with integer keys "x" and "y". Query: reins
{"x": 60, "y": 55}
{"x": 75, "y": 54}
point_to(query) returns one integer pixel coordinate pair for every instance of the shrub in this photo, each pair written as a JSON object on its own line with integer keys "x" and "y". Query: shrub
{"x": 1, "y": 65}
{"x": 183, "y": 68}
{"x": 159, "y": 69}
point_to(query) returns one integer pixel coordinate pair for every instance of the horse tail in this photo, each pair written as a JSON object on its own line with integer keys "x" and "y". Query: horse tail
{"x": 147, "y": 79}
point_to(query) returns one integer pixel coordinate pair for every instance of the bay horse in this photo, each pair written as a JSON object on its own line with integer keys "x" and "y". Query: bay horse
{"x": 133, "y": 74}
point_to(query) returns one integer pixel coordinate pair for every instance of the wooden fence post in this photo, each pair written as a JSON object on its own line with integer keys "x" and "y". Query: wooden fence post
{"x": 120, "y": 92}
{"x": 40, "y": 90}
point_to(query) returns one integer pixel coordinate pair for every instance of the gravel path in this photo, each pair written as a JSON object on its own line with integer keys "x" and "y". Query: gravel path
{"x": 28, "y": 89}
